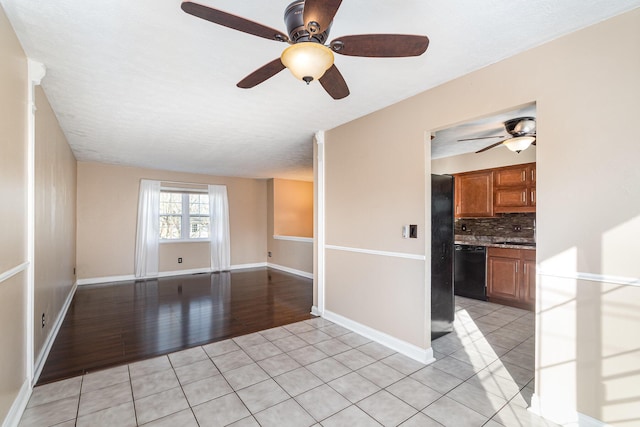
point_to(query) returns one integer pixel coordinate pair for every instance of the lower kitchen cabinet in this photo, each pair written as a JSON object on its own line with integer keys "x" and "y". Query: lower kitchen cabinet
{"x": 511, "y": 277}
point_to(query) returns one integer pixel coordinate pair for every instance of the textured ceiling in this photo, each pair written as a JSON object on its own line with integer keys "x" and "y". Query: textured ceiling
{"x": 141, "y": 83}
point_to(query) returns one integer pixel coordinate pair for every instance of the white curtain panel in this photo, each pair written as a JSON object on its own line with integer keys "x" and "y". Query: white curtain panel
{"x": 219, "y": 223}
{"x": 148, "y": 232}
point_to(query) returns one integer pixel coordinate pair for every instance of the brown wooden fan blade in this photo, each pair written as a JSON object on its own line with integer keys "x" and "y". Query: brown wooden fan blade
{"x": 333, "y": 82}
{"x": 318, "y": 14}
{"x": 489, "y": 147}
{"x": 261, "y": 74}
{"x": 232, "y": 21}
{"x": 381, "y": 45}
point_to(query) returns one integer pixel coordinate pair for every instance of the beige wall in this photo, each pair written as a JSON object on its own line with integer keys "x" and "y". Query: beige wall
{"x": 586, "y": 87}
{"x": 293, "y": 208}
{"x": 13, "y": 214}
{"x": 107, "y": 214}
{"x": 55, "y": 220}
{"x": 296, "y": 255}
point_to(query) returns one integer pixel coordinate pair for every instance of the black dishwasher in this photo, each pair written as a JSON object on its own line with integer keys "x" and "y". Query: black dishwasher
{"x": 470, "y": 266}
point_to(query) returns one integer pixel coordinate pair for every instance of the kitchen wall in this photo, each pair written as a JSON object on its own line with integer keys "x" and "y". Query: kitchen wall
{"x": 55, "y": 222}
{"x": 588, "y": 220}
{"x": 494, "y": 158}
{"x": 13, "y": 216}
{"x": 107, "y": 214}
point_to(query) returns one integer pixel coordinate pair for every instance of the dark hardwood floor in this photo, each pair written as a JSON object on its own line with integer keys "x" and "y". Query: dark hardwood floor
{"x": 113, "y": 324}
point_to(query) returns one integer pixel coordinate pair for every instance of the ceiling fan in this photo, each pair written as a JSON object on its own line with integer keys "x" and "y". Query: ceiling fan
{"x": 308, "y": 58}
{"x": 522, "y": 132}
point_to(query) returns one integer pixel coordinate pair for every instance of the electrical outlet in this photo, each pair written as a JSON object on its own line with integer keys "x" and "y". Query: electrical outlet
{"x": 517, "y": 228}
{"x": 179, "y": 260}
{"x": 269, "y": 254}
{"x": 43, "y": 323}
{"x": 413, "y": 231}
{"x": 74, "y": 271}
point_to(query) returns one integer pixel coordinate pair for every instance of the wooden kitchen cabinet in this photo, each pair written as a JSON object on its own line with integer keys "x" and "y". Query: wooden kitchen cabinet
{"x": 511, "y": 277}
{"x": 529, "y": 277}
{"x": 474, "y": 194}
{"x": 514, "y": 188}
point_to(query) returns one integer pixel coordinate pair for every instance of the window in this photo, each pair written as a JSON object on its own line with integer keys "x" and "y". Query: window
{"x": 184, "y": 215}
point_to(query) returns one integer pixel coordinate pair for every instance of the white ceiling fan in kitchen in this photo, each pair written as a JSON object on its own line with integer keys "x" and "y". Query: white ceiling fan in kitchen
{"x": 521, "y": 134}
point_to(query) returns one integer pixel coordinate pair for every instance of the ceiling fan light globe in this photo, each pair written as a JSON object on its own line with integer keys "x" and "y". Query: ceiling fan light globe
{"x": 519, "y": 143}
{"x": 307, "y": 60}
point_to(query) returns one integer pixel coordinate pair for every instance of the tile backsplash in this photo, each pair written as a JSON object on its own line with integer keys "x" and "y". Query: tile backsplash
{"x": 504, "y": 225}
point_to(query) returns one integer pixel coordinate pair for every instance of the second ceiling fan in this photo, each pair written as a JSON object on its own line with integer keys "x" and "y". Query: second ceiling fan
{"x": 522, "y": 133}
{"x": 308, "y": 58}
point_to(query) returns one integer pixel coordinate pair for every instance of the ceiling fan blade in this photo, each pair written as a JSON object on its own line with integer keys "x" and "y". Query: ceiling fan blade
{"x": 232, "y": 21}
{"x": 482, "y": 137}
{"x": 261, "y": 74}
{"x": 489, "y": 147}
{"x": 318, "y": 14}
{"x": 381, "y": 45}
{"x": 333, "y": 82}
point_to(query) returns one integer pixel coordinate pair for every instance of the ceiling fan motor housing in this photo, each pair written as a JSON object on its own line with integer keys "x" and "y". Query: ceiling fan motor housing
{"x": 293, "y": 19}
{"x": 521, "y": 126}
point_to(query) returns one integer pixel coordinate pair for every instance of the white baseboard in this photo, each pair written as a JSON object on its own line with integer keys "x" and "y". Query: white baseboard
{"x": 315, "y": 311}
{"x": 562, "y": 416}
{"x": 243, "y": 266}
{"x": 128, "y": 277}
{"x": 291, "y": 270}
{"x": 46, "y": 348}
{"x": 414, "y": 352}
{"x": 19, "y": 405}
{"x": 108, "y": 279}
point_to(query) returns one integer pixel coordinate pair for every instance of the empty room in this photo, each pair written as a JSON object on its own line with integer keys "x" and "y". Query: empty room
{"x": 319, "y": 213}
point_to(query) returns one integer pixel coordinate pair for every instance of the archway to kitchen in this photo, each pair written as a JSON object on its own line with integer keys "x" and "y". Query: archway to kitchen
{"x": 491, "y": 349}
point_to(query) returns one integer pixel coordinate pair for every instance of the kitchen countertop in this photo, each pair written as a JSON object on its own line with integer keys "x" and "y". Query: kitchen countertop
{"x": 496, "y": 242}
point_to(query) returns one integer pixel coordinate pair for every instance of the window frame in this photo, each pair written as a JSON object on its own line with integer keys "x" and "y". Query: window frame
{"x": 185, "y": 216}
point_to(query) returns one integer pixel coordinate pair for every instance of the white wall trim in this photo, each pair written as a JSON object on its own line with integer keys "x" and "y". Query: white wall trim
{"x": 320, "y": 264}
{"x": 242, "y": 266}
{"x": 12, "y": 272}
{"x": 615, "y": 280}
{"x": 376, "y": 252}
{"x": 294, "y": 238}
{"x": 125, "y": 278}
{"x": 563, "y": 416}
{"x": 291, "y": 270}
{"x": 422, "y": 355}
{"x": 36, "y": 72}
{"x": 46, "y": 348}
{"x": 314, "y": 311}
{"x": 19, "y": 405}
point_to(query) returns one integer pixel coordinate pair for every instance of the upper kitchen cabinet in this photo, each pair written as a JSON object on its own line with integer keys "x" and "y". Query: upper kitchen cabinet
{"x": 474, "y": 194}
{"x": 514, "y": 188}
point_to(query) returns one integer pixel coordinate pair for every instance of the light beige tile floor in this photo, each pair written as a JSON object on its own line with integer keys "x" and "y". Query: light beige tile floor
{"x": 314, "y": 373}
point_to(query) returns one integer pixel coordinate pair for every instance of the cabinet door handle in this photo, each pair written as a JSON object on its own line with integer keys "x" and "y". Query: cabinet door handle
{"x": 524, "y": 196}
{"x": 516, "y": 267}
{"x": 524, "y": 177}
{"x": 532, "y": 195}
{"x": 532, "y": 175}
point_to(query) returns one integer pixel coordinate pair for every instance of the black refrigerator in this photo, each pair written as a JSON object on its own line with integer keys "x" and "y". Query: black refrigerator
{"x": 442, "y": 299}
